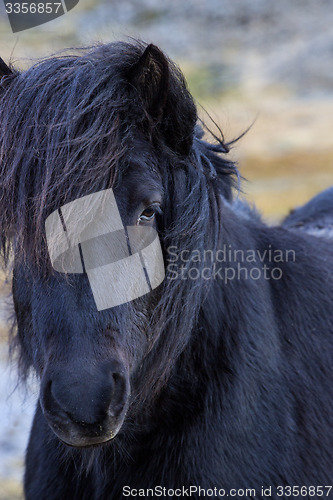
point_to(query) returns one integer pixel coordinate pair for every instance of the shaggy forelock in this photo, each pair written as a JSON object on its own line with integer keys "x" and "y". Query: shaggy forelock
{"x": 65, "y": 123}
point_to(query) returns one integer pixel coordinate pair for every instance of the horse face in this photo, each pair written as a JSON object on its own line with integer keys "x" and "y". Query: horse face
{"x": 118, "y": 116}
{"x": 86, "y": 357}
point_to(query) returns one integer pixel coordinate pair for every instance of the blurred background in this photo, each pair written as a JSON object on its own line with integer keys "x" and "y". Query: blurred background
{"x": 259, "y": 62}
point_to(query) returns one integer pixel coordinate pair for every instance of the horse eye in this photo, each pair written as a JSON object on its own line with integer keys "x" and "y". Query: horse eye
{"x": 148, "y": 214}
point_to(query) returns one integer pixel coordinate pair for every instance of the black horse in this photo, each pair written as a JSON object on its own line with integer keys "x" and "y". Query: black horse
{"x": 221, "y": 377}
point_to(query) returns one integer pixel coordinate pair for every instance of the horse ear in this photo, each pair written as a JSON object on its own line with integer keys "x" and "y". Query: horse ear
{"x": 166, "y": 99}
{"x": 4, "y": 69}
{"x": 150, "y": 76}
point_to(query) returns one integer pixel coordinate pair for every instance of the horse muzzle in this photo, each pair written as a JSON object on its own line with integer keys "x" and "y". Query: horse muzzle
{"x": 86, "y": 407}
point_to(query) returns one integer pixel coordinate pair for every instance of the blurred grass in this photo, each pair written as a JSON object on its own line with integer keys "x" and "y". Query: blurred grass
{"x": 278, "y": 184}
{"x": 10, "y": 490}
{"x": 208, "y": 81}
{"x": 286, "y": 156}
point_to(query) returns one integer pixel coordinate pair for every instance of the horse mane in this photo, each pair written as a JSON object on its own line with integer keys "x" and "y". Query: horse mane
{"x": 68, "y": 128}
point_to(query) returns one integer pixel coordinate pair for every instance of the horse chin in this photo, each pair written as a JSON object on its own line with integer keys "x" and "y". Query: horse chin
{"x": 84, "y": 442}
{"x": 85, "y": 438}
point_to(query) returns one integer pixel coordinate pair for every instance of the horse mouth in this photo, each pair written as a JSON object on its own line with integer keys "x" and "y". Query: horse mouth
{"x": 89, "y": 412}
{"x": 81, "y": 436}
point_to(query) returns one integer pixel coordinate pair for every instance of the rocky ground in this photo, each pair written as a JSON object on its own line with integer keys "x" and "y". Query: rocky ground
{"x": 16, "y": 410}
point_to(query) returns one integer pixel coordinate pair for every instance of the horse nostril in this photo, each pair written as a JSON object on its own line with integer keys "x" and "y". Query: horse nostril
{"x": 120, "y": 393}
{"x": 87, "y": 400}
{"x": 50, "y": 405}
